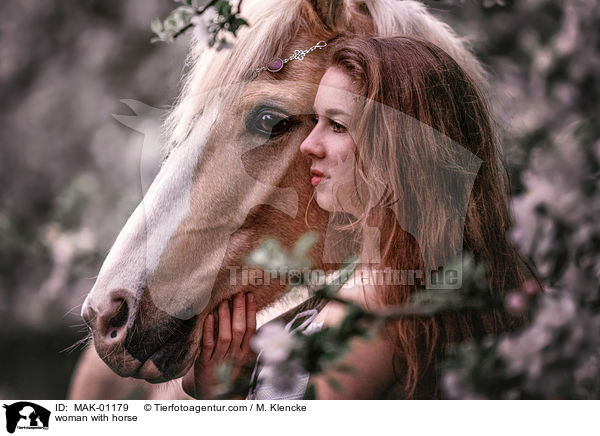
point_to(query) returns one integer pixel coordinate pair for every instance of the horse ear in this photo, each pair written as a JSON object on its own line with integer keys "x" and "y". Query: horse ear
{"x": 335, "y": 14}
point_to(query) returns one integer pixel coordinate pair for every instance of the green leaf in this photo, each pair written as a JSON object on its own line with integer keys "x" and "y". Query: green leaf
{"x": 305, "y": 243}
{"x": 235, "y": 24}
{"x": 270, "y": 255}
{"x": 348, "y": 326}
{"x": 171, "y": 24}
{"x": 199, "y": 4}
{"x": 345, "y": 369}
{"x": 311, "y": 392}
{"x": 156, "y": 25}
{"x": 223, "y": 8}
{"x": 182, "y": 15}
{"x": 438, "y": 296}
{"x": 241, "y": 22}
{"x": 335, "y": 384}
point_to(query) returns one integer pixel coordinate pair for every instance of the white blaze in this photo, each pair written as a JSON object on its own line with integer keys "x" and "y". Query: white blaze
{"x": 138, "y": 248}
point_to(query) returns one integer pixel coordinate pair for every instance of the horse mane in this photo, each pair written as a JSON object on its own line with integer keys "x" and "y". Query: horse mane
{"x": 273, "y": 24}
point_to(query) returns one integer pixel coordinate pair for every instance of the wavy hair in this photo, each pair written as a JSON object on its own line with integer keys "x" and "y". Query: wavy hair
{"x": 430, "y": 176}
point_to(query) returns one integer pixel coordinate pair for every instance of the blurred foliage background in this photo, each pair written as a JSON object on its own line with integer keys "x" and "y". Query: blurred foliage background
{"x": 70, "y": 174}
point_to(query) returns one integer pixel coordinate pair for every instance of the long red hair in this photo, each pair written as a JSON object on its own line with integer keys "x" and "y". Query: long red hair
{"x": 418, "y": 106}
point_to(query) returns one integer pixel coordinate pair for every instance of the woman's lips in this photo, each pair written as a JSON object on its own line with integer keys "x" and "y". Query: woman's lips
{"x": 317, "y": 176}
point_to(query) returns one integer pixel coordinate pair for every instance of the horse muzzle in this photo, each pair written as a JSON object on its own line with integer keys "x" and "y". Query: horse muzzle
{"x": 156, "y": 346}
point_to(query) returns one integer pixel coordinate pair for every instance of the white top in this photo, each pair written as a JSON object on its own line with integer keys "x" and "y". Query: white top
{"x": 293, "y": 387}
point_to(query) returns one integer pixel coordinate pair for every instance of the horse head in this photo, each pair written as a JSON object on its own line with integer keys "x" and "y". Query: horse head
{"x": 232, "y": 176}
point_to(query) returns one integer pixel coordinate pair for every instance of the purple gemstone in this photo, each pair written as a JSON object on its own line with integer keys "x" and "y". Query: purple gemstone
{"x": 275, "y": 65}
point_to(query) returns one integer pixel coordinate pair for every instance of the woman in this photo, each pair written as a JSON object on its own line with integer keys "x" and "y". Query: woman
{"x": 404, "y": 156}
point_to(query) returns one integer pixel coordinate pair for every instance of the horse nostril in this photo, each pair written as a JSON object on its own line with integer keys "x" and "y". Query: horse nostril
{"x": 120, "y": 318}
{"x": 112, "y": 323}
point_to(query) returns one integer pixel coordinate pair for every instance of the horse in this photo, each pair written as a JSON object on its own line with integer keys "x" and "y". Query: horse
{"x": 232, "y": 175}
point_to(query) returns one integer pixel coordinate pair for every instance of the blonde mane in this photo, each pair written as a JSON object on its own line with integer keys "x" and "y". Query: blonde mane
{"x": 274, "y": 24}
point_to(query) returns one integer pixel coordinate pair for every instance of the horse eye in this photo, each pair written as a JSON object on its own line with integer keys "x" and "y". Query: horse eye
{"x": 268, "y": 123}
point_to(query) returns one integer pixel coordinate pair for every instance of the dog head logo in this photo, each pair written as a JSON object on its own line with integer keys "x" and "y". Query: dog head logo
{"x": 26, "y": 415}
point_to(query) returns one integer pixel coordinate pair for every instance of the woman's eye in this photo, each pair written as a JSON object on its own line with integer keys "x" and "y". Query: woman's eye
{"x": 269, "y": 123}
{"x": 337, "y": 127}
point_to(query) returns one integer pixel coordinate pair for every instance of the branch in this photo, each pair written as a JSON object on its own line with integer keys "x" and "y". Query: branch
{"x": 198, "y": 12}
{"x": 183, "y": 29}
{"x": 238, "y": 9}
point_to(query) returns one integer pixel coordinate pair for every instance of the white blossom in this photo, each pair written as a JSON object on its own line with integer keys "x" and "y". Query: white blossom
{"x": 274, "y": 342}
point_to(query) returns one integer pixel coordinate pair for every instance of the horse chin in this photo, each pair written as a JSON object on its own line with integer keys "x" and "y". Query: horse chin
{"x": 169, "y": 361}
{"x": 164, "y": 365}
{"x": 149, "y": 371}
{"x": 120, "y": 361}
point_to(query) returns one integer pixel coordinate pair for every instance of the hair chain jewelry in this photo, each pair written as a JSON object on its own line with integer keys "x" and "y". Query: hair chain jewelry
{"x": 277, "y": 63}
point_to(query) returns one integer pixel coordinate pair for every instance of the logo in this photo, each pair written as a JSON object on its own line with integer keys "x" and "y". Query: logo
{"x": 26, "y": 415}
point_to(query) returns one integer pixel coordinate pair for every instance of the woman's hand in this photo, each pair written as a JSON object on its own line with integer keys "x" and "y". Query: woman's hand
{"x": 232, "y": 345}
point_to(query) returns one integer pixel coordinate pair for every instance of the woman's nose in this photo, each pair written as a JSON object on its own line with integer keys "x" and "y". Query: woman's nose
{"x": 312, "y": 146}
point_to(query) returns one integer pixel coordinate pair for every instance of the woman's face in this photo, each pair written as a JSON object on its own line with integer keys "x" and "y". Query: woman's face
{"x": 329, "y": 145}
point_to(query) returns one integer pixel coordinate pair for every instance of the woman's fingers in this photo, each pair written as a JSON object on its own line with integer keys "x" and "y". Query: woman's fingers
{"x": 208, "y": 339}
{"x": 238, "y": 325}
{"x": 250, "y": 323}
{"x": 224, "y": 338}
{"x": 236, "y": 328}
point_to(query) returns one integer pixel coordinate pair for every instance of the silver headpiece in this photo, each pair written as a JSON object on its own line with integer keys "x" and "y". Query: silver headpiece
{"x": 277, "y": 63}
